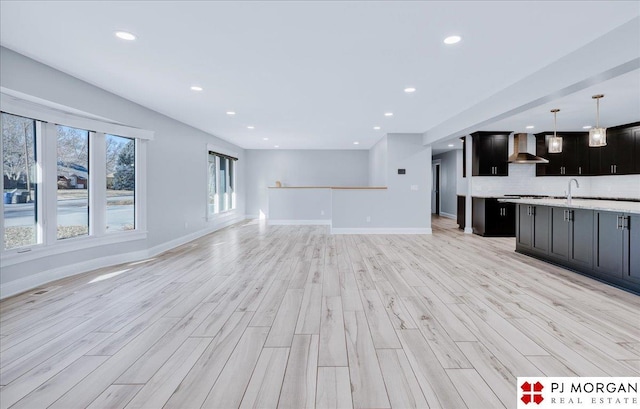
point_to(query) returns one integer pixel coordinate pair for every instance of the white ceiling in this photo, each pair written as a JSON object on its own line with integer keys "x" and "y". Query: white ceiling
{"x": 319, "y": 75}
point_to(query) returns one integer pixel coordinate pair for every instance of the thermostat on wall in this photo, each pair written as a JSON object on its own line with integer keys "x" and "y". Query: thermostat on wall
{"x": 402, "y": 171}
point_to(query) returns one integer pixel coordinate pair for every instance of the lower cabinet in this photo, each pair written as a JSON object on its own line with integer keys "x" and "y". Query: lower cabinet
{"x": 571, "y": 236}
{"x": 631, "y": 244}
{"x": 603, "y": 244}
{"x": 493, "y": 218}
{"x": 460, "y": 217}
{"x": 617, "y": 246}
{"x": 532, "y": 228}
{"x": 609, "y": 244}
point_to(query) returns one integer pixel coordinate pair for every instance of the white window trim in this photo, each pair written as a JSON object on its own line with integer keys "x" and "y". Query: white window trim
{"x": 225, "y": 213}
{"x": 50, "y": 114}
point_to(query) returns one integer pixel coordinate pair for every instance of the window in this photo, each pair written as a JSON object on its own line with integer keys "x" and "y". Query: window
{"x": 20, "y": 192}
{"x": 121, "y": 183}
{"x": 221, "y": 174}
{"x": 223, "y": 166}
{"x": 213, "y": 186}
{"x": 73, "y": 182}
{"x": 64, "y": 182}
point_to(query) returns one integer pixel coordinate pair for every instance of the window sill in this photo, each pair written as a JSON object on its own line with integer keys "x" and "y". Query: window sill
{"x": 23, "y": 254}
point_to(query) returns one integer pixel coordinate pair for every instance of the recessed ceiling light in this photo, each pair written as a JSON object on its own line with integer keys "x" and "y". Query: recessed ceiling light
{"x": 377, "y": 128}
{"x": 265, "y": 139}
{"x": 196, "y": 88}
{"x": 251, "y": 127}
{"x": 276, "y": 146}
{"x": 356, "y": 143}
{"x": 124, "y": 35}
{"x": 530, "y": 126}
{"x": 450, "y": 145}
{"x": 409, "y": 90}
{"x": 587, "y": 127}
{"x": 231, "y": 113}
{"x": 452, "y": 40}
{"x": 388, "y": 114}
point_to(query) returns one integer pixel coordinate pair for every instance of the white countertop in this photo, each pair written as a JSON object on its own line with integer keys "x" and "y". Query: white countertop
{"x": 604, "y": 205}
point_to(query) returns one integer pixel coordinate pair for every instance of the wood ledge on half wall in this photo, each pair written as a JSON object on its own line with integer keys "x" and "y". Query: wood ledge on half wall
{"x": 332, "y": 187}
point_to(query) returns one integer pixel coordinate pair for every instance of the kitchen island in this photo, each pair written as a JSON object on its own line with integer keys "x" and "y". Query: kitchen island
{"x": 600, "y": 238}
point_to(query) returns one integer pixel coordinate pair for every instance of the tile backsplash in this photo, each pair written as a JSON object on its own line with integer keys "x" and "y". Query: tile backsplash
{"x": 522, "y": 180}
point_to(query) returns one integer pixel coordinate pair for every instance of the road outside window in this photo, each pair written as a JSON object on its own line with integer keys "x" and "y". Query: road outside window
{"x": 73, "y": 182}
{"x": 19, "y": 181}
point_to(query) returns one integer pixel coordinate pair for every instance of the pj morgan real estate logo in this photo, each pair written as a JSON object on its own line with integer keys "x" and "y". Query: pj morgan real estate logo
{"x": 578, "y": 392}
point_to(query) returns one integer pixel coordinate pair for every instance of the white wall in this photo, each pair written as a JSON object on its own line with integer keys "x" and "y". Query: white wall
{"x": 405, "y": 206}
{"x": 176, "y": 170}
{"x": 378, "y": 163}
{"x": 448, "y": 181}
{"x": 626, "y": 186}
{"x": 300, "y": 168}
{"x": 299, "y": 206}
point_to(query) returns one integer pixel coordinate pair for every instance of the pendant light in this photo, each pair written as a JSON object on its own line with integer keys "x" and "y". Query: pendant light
{"x": 597, "y": 135}
{"x": 555, "y": 142}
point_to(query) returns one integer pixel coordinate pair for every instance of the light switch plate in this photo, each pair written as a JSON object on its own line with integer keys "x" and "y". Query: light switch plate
{"x": 414, "y": 187}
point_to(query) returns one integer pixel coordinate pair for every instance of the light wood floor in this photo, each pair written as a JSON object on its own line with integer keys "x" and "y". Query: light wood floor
{"x": 292, "y": 317}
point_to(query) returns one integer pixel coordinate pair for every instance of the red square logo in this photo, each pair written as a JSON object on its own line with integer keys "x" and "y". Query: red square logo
{"x": 532, "y": 393}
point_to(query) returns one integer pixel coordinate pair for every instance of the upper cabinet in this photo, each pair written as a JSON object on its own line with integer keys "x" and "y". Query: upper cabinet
{"x": 490, "y": 151}
{"x": 574, "y": 159}
{"x": 621, "y": 155}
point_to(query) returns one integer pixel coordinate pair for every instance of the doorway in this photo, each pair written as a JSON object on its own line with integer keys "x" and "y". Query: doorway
{"x": 435, "y": 191}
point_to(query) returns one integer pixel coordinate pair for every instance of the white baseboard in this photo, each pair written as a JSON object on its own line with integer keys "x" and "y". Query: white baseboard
{"x": 36, "y": 280}
{"x": 448, "y": 215}
{"x": 283, "y": 222}
{"x": 215, "y": 226}
{"x": 380, "y": 230}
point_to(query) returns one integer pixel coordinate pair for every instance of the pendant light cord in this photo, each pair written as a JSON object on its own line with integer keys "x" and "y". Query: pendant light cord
{"x": 598, "y": 113}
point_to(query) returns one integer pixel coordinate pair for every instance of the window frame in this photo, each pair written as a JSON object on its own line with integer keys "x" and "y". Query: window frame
{"x": 47, "y": 116}
{"x": 90, "y": 142}
{"x": 231, "y": 201}
{"x": 103, "y": 187}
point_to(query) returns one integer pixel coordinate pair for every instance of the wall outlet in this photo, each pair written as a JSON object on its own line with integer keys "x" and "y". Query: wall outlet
{"x": 186, "y": 225}
{"x": 368, "y": 219}
{"x": 414, "y": 187}
{"x": 321, "y": 212}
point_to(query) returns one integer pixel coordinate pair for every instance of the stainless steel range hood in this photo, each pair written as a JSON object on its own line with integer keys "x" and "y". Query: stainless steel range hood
{"x": 520, "y": 154}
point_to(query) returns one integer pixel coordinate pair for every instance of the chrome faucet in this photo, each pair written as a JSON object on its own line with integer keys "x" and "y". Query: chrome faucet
{"x": 569, "y": 189}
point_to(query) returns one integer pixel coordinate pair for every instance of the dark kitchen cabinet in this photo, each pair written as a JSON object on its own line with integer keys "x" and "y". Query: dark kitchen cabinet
{"x": 464, "y": 157}
{"x": 608, "y": 244}
{"x": 635, "y": 133}
{"x": 631, "y": 244}
{"x": 621, "y": 154}
{"x": 574, "y": 159}
{"x": 490, "y": 152}
{"x": 617, "y": 245}
{"x": 616, "y": 157}
{"x": 602, "y": 244}
{"x": 532, "y": 228}
{"x": 461, "y": 216}
{"x": 571, "y": 238}
{"x": 493, "y": 218}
